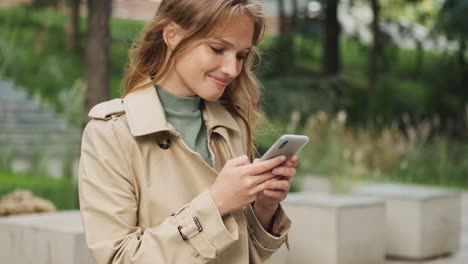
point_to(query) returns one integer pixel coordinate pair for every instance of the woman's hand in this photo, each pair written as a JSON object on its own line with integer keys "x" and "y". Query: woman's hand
{"x": 276, "y": 191}
{"x": 239, "y": 182}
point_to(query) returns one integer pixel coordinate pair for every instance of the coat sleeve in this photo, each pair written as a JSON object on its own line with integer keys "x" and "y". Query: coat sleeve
{"x": 262, "y": 243}
{"x": 196, "y": 233}
{"x": 266, "y": 243}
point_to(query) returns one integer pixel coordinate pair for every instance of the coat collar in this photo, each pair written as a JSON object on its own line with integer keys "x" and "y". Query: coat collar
{"x": 146, "y": 115}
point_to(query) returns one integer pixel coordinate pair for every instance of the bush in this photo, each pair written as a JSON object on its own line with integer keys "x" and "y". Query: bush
{"x": 301, "y": 94}
{"x": 63, "y": 193}
{"x": 411, "y": 153}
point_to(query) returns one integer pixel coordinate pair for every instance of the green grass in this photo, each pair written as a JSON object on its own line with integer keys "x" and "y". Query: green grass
{"x": 63, "y": 193}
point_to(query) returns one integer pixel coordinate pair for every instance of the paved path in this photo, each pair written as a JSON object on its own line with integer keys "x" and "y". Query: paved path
{"x": 461, "y": 257}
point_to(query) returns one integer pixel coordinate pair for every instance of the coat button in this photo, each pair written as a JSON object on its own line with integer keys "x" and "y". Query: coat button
{"x": 165, "y": 144}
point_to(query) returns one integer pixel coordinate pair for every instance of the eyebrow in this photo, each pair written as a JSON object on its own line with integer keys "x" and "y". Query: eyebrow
{"x": 230, "y": 44}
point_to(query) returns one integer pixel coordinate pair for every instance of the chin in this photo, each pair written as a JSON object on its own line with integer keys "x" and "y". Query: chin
{"x": 212, "y": 96}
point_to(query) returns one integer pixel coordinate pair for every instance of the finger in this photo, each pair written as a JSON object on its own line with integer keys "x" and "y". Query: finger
{"x": 280, "y": 195}
{"x": 239, "y": 161}
{"x": 261, "y": 178}
{"x": 259, "y": 188}
{"x": 256, "y": 160}
{"x": 275, "y": 184}
{"x": 263, "y": 166}
{"x": 294, "y": 160}
{"x": 284, "y": 171}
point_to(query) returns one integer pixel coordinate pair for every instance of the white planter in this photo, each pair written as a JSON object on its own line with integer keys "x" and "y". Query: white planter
{"x": 53, "y": 238}
{"x": 421, "y": 222}
{"x": 335, "y": 229}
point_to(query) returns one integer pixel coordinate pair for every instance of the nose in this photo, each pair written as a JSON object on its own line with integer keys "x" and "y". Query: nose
{"x": 230, "y": 66}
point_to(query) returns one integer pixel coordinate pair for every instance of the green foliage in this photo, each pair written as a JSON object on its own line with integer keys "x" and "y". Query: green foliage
{"x": 44, "y": 3}
{"x": 416, "y": 11}
{"x": 441, "y": 162}
{"x": 63, "y": 193}
{"x": 37, "y": 57}
{"x": 452, "y": 19}
{"x": 305, "y": 95}
{"x": 421, "y": 84}
{"x": 345, "y": 154}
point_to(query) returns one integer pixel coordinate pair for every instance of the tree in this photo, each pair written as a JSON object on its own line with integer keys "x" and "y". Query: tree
{"x": 374, "y": 56}
{"x": 286, "y": 36}
{"x": 453, "y": 23}
{"x": 73, "y": 26}
{"x": 331, "y": 34}
{"x": 97, "y": 53}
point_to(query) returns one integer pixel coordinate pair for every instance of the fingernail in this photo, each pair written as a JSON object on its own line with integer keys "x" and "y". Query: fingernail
{"x": 283, "y": 158}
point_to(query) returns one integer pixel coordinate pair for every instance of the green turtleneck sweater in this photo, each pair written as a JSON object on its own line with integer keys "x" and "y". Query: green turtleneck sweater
{"x": 185, "y": 115}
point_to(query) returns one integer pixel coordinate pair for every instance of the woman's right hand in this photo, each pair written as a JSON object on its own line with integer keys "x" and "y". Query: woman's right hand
{"x": 239, "y": 181}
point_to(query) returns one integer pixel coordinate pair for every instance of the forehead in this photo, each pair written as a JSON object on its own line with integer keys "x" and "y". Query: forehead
{"x": 238, "y": 30}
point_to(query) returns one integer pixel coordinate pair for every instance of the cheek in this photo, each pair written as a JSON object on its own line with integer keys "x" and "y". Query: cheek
{"x": 191, "y": 67}
{"x": 239, "y": 67}
{"x": 202, "y": 61}
{"x": 209, "y": 61}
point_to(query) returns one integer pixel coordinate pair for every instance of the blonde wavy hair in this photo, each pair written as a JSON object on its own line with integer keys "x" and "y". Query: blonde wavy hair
{"x": 199, "y": 19}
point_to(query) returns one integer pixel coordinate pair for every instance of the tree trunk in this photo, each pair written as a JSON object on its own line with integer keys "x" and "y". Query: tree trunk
{"x": 374, "y": 56}
{"x": 290, "y": 59}
{"x": 286, "y": 37}
{"x": 419, "y": 57}
{"x": 97, "y": 53}
{"x": 463, "y": 88}
{"x": 462, "y": 64}
{"x": 331, "y": 32}
{"x": 73, "y": 26}
{"x": 282, "y": 17}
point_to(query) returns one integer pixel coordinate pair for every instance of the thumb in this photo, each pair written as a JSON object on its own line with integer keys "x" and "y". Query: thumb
{"x": 239, "y": 161}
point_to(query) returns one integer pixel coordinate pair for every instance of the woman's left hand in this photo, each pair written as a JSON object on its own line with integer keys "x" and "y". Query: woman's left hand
{"x": 267, "y": 201}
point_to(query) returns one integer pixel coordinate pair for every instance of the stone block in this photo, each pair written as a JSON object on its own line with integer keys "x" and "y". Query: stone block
{"x": 421, "y": 222}
{"x": 54, "y": 238}
{"x": 335, "y": 229}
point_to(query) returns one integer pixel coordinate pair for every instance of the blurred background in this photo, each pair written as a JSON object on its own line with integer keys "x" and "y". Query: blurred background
{"x": 379, "y": 86}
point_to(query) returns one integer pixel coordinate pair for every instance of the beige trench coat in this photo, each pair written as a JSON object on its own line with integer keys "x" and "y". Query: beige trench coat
{"x": 144, "y": 194}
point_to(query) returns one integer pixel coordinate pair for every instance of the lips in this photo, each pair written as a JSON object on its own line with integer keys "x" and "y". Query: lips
{"x": 222, "y": 82}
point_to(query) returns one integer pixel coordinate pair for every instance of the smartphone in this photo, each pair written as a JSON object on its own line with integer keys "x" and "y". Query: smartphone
{"x": 286, "y": 145}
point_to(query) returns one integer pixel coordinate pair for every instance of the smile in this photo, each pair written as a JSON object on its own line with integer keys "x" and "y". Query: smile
{"x": 222, "y": 82}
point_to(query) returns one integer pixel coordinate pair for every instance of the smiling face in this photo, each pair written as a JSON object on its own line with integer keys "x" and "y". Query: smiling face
{"x": 209, "y": 66}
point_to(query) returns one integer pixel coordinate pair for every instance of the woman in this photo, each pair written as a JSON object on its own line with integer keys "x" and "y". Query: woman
{"x": 164, "y": 176}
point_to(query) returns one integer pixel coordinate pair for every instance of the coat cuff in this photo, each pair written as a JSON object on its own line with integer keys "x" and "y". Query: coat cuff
{"x": 201, "y": 225}
{"x": 269, "y": 241}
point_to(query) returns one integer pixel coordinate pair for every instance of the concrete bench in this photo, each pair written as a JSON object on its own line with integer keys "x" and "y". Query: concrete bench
{"x": 333, "y": 230}
{"x": 54, "y": 238}
{"x": 421, "y": 222}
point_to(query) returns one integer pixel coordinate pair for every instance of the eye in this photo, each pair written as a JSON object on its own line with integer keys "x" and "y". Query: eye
{"x": 217, "y": 51}
{"x": 240, "y": 57}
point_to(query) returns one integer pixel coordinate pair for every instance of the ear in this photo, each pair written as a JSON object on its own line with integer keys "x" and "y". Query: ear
{"x": 172, "y": 34}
